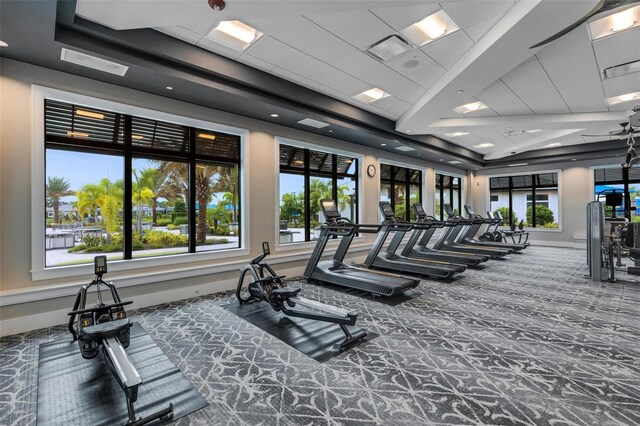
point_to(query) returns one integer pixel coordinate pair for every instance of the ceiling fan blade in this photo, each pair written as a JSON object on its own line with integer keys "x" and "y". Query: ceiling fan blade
{"x": 601, "y": 4}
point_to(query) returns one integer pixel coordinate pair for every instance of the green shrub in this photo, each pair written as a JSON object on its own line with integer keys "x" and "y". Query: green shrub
{"x": 218, "y": 241}
{"x": 222, "y": 229}
{"x": 104, "y": 248}
{"x": 544, "y": 215}
{"x": 91, "y": 240}
{"x": 116, "y": 239}
{"x": 172, "y": 227}
{"x": 179, "y": 209}
{"x": 160, "y": 239}
{"x": 163, "y": 221}
{"x": 181, "y": 220}
{"x": 75, "y": 249}
{"x": 137, "y": 245}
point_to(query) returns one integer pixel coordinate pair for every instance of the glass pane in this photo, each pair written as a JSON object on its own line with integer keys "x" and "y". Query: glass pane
{"x": 221, "y": 218}
{"x": 437, "y": 212}
{"x": 347, "y": 202}
{"x": 217, "y": 144}
{"x": 414, "y": 197}
{"x": 416, "y": 176}
{"x": 385, "y": 192}
{"x": 620, "y": 210}
{"x": 291, "y": 222}
{"x": 146, "y": 133}
{"x": 83, "y": 207}
{"x": 521, "y": 206}
{"x": 346, "y": 165}
{"x": 160, "y": 221}
{"x": 385, "y": 171}
{"x": 399, "y": 198}
{"x": 547, "y": 208}
{"x": 79, "y": 122}
{"x": 320, "y": 161}
{"x": 401, "y": 173}
{"x": 438, "y": 180}
{"x": 500, "y": 202}
{"x": 320, "y": 188}
{"x": 446, "y": 181}
{"x": 634, "y": 198}
{"x": 291, "y": 156}
{"x": 457, "y": 208}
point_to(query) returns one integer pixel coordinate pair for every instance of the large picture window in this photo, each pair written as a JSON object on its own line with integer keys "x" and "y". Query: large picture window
{"x": 514, "y": 197}
{"x": 402, "y": 187}
{"x": 132, "y": 187}
{"x": 448, "y": 191}
{"x": 624, "y": 181}
{"x": 306, "y": 177}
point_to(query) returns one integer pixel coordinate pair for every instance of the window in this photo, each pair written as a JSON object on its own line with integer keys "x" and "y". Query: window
{"x": 448, "y": 191}
{"x": 402, "y": 187}
{"x": 133, "y": 187}
{"x": 514, "y": 197}
{"x": 624, "y": 181}
{"x": 306, "y": 177}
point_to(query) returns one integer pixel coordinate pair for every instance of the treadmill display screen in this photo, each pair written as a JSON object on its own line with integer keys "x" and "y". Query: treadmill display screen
{"x": 387, "y": 211}
{"x": 417, "y": 207}
{"x": 330, "y": 209}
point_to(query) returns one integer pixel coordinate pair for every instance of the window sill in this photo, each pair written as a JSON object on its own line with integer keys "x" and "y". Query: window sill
{"x": 132, "y": 264}
{"x": 331, "y": 244}
{"x": 536, "y": 230}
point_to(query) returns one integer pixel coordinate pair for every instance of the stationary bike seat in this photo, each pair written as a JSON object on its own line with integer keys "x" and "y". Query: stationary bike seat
{"x": 286, "y": 292}
{"x": 106, "y": 329}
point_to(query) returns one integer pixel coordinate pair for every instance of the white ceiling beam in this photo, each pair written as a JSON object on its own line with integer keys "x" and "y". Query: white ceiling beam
{"x": 501, "y": 49}
{"x": 524, "y": 146}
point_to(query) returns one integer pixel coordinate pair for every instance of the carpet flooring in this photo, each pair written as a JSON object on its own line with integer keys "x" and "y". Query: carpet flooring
{"x": 526, "y": 341}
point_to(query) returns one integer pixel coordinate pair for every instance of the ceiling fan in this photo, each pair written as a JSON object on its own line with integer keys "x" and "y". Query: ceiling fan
{"x": 625, "y": 132}
{"x": 602, "y": 6}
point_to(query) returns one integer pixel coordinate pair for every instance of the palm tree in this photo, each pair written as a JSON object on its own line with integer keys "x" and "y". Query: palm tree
{"x": 57, "y": 188}
{"x": 110, "y": 203}
{"x": 141, "y": 193}
{"x": 88, "y": 197}
{"x": 228, "y": 182}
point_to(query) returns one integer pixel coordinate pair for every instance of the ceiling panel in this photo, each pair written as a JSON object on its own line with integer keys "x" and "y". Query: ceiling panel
{"x": 502, "y": 100}
{"x": 364, "y": 31}
{"x": 620, "y": 85}
{"x": 331, "y": 49}
{"x": 468, "y": 13}
{"x": 265, "y": 25}
{"x": 301, "y": 64}
{"x": 332, "y": 22}
{"x": 531, "y": 84}
{"x": 339, "y": 80}
{"x": 401, "y": 17}
{"x": 447, "y": 50}
{"x": 476, "y": 31}
{"x": 299, "y": 32}
{"x": 271, "y": 50}
{"x": 392, "y": 104}
{"x": 181, "y": 33}
{"x": 218, "y": 48}
{"x": 425, "y": 73}
{"x": 618, "y": 48}
{"x": 571, "y": 65}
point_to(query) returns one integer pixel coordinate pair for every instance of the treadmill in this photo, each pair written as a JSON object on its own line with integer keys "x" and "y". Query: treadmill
{"x": 467, "y": 236}
{"x": 335, "y": 271}
{"x": 448, "y": 240}
{"x": 389, "y": 260}
{"x": 417, "y": 248}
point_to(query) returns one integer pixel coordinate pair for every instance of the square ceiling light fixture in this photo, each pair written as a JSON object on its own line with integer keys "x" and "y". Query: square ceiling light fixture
{"x": 474, "y": 106}
{"x": 430, "y": 28}
{"x": 628, "y": 18}
{"x": 389, "y": 48}
{"x": 371, "y": 95}
{"x": 623, "y": 98}
{"x": 234, "y": 34}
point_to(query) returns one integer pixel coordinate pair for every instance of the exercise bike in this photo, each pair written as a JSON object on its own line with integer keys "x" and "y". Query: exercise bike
{"x": 107, "y": 326}
{"x": 268, "y": 286}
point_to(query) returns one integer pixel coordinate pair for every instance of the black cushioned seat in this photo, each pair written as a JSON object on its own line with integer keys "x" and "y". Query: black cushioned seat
{"x": 107, "y": 329}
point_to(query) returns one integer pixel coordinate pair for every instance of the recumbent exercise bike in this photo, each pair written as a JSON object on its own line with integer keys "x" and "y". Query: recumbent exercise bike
{"x": 107, "y": 326}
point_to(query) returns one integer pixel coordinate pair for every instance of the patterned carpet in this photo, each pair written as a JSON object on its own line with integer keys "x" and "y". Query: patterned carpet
{"x": 527, "y": 341}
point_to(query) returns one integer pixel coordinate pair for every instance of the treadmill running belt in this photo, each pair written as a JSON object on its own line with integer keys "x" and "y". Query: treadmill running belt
{"x": 77, "y": 391}
{"x": 317, "y": 339}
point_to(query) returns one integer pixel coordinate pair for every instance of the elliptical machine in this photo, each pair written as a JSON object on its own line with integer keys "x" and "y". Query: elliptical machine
{"x": 107, "y": 326}
{"x": 267, "y": 285}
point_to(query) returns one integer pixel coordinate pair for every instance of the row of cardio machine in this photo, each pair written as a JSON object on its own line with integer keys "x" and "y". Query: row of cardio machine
{"x": 390, "y": 270}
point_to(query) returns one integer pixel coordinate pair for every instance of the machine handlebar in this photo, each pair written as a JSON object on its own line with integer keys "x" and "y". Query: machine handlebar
{"x": 97, "y": 308}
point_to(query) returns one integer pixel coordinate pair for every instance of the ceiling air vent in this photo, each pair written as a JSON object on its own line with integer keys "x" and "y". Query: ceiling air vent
{"x": 313, "y": 123}
{"x": 622, "y": 69}
{"x": 389, "y": 47}
{"x": 93, "y": 62}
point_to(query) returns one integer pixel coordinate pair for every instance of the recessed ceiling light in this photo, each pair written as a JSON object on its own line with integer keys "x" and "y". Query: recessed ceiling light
{"x": 169, "y": 88}
{"x": 483, "y": 145}
{"x": 622, "y": 20}
{"x": 313, "y": 123}
{"x": 518, "y": 164}
{"x": 3, "y": 44}
{"x": 454, "y": 162}
{"x": 371, "y": 95}
{"x": 551, "y": 145}
{"x": 389, "y": 47}
{"x": 408, "y": 131}
{"x": 383, "y": 144}
{"x": 405, "y": 148}
{"x": 234, "y": 34}
{"x": 574, "y": 159}
{"x": 330, "y": 131}
{"x": 533, "y": 131}
{"x": 456, "y": 134}
{"x": 275, "y": 115}
{"x": 207, "y": 136}
{"x": 430, "y": 28}
{"x": 90, "y": 114}
{"x": 473, "y": 106}
{"x": 442, "y": 159}
{"x": 623, "y": 98}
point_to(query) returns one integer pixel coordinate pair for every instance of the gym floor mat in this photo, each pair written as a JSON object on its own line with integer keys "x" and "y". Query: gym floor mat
{"x": 316, "y": 339}
{"x": 73, "y": 390}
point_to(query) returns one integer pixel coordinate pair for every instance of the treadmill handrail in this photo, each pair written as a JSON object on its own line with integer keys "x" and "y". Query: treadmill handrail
{"x": 351, "y": 227}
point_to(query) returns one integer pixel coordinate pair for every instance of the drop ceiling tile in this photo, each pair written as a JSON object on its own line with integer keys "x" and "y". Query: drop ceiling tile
{"x": 338, "y": 80}
{"x": 298, "y": 32}
{"x": 265, "y": 25}
{"x": 255, "y": 63}
{"x": 392, "y": 104}
{"x": 468, "y": 13}
{"x": 571, "y": 65}
{"x": 478, "y": 30}
{"x": 332, "y": 22}
{"x": 531, "y": 84}
{"x": 331, "y": 49}
{"x": 271, "y": 50}
{"x": 448, "y": 50}
{"x": 399, "y": 18}
{"x": 218, "y": 48}
{"x": 617, "y": 86}
{"x": 364, "y": 31}
{"x": 618, "y": 48}
{"x": 425, "y": 72}
{"x": 180, "y": 33}
{"x": 301, "y": 64}
{"x": 502, "y": 100}
{"x": 203, "y": 27}
{"x": 484, "y": 112}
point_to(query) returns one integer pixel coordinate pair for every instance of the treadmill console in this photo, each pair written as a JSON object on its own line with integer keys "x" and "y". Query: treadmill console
{"x": 100, "y": 265}
{"x": 420, "y": 213}
{"x": 469, "y": 210}
{"x": 330, "y": 210}
{"x": 386, "y": 210}
{"x": 265, "y": 248}
{"x": 448, "y": 210}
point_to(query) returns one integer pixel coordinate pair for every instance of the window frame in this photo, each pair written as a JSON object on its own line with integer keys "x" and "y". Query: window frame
{"x": 625, "y": 182}
{"x": 510, "y": 188}
{"x": 440, "y": 190}
{"x": 406, "y": 183}
{"x": 307, "y": 174}
{"x": 38, "y": 204}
